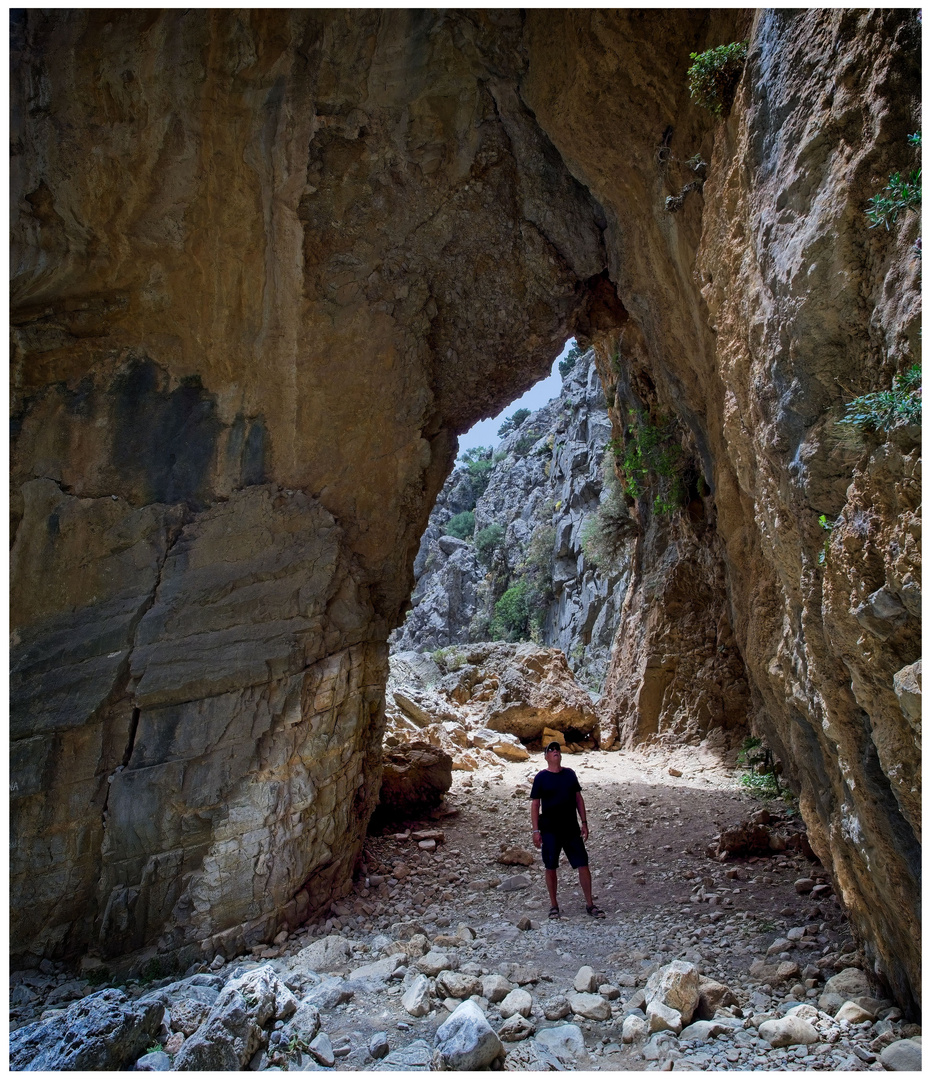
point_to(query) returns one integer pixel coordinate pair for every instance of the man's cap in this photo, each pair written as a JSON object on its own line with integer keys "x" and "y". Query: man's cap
{"x": 554, "y": 746}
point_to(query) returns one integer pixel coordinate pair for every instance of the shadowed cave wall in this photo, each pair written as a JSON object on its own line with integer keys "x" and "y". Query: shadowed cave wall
{"x": 266, "y": 265}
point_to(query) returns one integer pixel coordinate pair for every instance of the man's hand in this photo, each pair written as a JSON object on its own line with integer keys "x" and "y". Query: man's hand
{"x": 537, "y": 839}
{"x": 584, "y": 832}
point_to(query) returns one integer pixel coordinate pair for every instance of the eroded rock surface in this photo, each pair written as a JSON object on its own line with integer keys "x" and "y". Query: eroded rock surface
{"x": 267, "y": 264}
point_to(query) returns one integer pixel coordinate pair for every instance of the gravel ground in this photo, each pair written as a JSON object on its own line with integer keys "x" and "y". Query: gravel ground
{"x": 665, "y": 900}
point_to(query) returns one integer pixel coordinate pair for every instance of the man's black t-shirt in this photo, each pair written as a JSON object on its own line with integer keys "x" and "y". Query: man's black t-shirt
{"x": 556, "y": 792}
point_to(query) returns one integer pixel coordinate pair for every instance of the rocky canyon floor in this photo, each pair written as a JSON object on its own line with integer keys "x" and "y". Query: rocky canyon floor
{"x": 436, "y": 918}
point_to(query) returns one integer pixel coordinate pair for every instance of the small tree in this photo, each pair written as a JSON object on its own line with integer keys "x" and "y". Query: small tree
{"x": 513, "y": 422}
{"x": 461, "y": 526}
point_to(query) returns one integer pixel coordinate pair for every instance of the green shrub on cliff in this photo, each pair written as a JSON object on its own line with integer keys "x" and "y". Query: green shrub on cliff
{"x": 461, "y": 526}
{"x": 479, "y": 461}
{"x": 605, "y": 534}
{"x": 651, "y": 462}
{"x": 714, "y": 74}
{"x": 487, "y": 541}
{"x": 899, "y": 194}
{"x": 513, "y": 422}
{"x": 569, "y": 360}
{"x": 884, "y": 409}
{"x": 512, "y": 613}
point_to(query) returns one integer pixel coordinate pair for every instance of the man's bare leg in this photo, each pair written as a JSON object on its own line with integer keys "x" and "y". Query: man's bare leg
{"x": 584, "y": 879}
{"x": 552, "y": 884}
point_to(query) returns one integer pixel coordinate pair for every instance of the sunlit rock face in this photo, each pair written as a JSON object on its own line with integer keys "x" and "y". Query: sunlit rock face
{"x": 267, "y": 264}
{"x": 756, "y": 311}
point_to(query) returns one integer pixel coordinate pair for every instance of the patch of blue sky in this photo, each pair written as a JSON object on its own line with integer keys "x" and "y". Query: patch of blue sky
{"x": 484, "y": 433}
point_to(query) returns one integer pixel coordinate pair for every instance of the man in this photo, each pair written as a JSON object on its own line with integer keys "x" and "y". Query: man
{"x": 557, "y": 792}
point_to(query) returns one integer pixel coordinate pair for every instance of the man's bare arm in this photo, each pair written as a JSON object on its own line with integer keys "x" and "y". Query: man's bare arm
{"x": 583, "y": 814}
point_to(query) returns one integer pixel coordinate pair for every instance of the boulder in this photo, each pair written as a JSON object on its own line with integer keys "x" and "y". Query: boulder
{"x": 566, "y": 1042}
{"x": 556, "y": 1008}
{"x": 414, "y": 778}
{"x": 536, "y": 689}
{"x": 434, "y": 962}
{"x": 805, "y": 1012}
{"x": 902, "y": 1056}
{"x": 329, "y": 993}
{"x": 416, "y": 1057}
{"x": 326, "y": 954}
{"x": 321, "y": 1050}
{"x": 676, "y": 985}
{"x": 521, "y": 974}
{"x": 702, "y": 1030}
{"x": 515, "y": 883}
{"x": 102, "y": 1032}
{"x": 514, "y": 856}
{"x": 455, "y": 984}
{"x": 788, "y": 1031}
{"x": 187, "y": 1015}
{"x": 842, "y": 987}
{"x": 234, "y": 1030}
{"x": 515, "y": 1028}
{"x": 466, "y": 1041}
{"x": 378, "y": 972}
{"x": 586, "y": 980}
{"x": 156, "y": 1061}
{"x": 634, "y": 1028}
{"x": 530, "y": 1056}
{"x": 662, "y": 1017}
{"x": 853, "y": 1013}
{"x": 517, "y": 1001}
{"x": 510, "y": 749}
{"x": 713, "y": 995}
{"x": 590, "y": 1006}
{"x": 379, "y": 1046}
{"x": 416, "y": 997}
{"x": 303, "y": 1025}
{"x": 495, "y": 988}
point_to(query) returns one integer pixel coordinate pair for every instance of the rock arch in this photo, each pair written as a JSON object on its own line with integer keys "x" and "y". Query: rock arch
{"x": 267, "y": 265}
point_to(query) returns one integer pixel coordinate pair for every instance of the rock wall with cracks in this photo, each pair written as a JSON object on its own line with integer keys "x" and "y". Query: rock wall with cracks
{"x": 267, "y": 264}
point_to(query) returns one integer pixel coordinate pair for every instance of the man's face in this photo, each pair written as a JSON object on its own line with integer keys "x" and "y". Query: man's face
{"x": 554, "y": 757}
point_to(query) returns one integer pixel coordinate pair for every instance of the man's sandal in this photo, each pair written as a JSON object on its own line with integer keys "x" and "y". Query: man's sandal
{"x": 595, "y": 912}
{"x": 554, "y": 912}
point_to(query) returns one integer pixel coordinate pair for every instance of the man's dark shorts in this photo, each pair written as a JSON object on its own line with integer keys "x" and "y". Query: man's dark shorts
{"x": 573, "y": 846}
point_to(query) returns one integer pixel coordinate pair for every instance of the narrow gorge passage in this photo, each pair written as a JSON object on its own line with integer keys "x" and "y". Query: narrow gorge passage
{"x": 266, "y": 267}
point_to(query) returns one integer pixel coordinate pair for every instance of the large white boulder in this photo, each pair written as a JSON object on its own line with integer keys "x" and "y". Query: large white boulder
{"x": 466, "y": 1041}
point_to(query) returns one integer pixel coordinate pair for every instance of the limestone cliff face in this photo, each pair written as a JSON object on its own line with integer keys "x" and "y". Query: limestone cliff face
{"x": 756, "y": 312}
{"x": 243, "y": 342}
{"x": 267, "y": 264}
{"x": 546, "y": 483}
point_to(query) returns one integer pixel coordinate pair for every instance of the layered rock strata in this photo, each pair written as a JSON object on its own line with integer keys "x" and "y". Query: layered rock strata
{"x": 281, "y": 259}
{"x": 203, "y": 582}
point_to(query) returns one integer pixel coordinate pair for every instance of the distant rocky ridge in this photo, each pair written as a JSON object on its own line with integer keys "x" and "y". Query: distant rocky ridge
{"x": 546, "y": 483}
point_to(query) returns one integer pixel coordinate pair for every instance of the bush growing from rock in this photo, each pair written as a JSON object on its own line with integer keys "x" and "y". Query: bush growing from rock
{"x": 487, "y": 541}
{"x": 461, "y": 526}
{"x": 714, "y": 75}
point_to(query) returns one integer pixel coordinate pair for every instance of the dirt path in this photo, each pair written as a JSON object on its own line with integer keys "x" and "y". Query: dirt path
{"x": 649, "y": 832}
